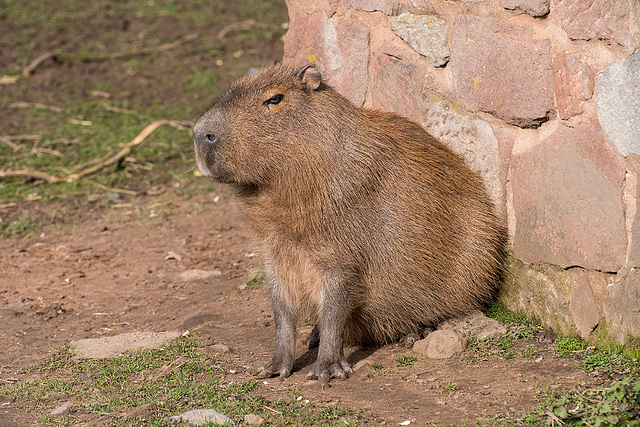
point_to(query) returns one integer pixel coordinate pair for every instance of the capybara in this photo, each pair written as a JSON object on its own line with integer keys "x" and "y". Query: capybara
{"x": 368, "y": 225}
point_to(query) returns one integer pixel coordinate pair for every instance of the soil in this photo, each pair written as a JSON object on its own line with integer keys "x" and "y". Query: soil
{"x": 117, "y": 270}
{"x": 99, "y": 269}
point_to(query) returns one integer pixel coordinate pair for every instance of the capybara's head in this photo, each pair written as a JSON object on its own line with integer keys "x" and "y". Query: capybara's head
{"x": 248, "y": 134}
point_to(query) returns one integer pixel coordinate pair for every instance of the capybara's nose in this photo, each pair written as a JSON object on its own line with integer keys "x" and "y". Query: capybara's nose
{"x": 202, "y": 134}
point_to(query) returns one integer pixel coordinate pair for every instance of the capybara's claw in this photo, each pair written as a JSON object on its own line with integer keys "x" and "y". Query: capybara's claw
{"x": 326, "y": 371}
{"x": 269, "y": 371}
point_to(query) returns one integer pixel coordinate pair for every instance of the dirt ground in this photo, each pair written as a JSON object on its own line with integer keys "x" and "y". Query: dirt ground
{"x": 92, "y": 269}
{"x": 116, "y": 271}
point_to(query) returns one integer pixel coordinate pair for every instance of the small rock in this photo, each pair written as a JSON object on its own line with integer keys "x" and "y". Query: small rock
{"x": 364, "y": 363}
{"x": 219, "y": 349}
{"x": 440, "y": 344}
{"x": 198, "y": 274}
{"x": 203, "y": 416}
{"x": 475, "y": 323}
{"x": 62, "y": 410}
{"x": 173, "y": 255}
{"x": 101, "y": 348}
{"x": 253, "y": 420}
{"x": 114, "y": 197}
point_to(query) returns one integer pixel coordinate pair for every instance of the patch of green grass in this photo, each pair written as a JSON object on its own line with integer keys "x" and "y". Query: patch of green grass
{"x": 611, "y": 359}
{"x": 166, "y": 381}
{"x": 530, "y": 351}
{"x": 617, "y": 405}
{"x": 167, "y": 84}
{"x": 498, "y": 311}
{"x": 335, "y": 412}
{"x": 569, "y": 344}
{"x": 450, "y": 387}
{"x": 615, "y": 362}
{"x": 23, "y": 225}
{"x": 376, "y": 370}
{"x": 519, "y": 328}
{"x": 406, "y": 361}
{"x": 255, "y": 281}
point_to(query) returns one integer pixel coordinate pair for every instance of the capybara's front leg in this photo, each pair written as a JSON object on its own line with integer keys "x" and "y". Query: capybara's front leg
{"x": 283, "y": 356}
{"x": 331, "y": 362}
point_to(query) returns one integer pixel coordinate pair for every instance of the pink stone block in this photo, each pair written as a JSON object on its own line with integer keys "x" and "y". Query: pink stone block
{"x": 531, "y": 7}
{"x": 498, "y": 68}
{"x": 567, "y": 198}
{"x": 337, "y": 45}
{"x": 596, "y": 19}
{"x": 574, "y": 83}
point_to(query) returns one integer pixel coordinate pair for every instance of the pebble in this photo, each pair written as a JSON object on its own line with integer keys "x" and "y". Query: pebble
{"x": 253, "y": 420}
{"x": 475, "y": 323}
{"x": 106, "y": 347}
{"x": 62, "y": 410}
{"x": 219, "y": 348}
{"x": 188, "y": 275}
{"x": 441, "y": 344}
{"x": 114, "y": 197}
{"x": 203, "y": 416}
{"x": 364, "y": 363}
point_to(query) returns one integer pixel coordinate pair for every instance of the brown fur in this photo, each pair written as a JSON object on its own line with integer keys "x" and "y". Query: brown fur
{"x": 368, "y": 224}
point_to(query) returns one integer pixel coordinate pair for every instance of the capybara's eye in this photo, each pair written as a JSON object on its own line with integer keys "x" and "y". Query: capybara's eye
{"x": 273, "y": 100}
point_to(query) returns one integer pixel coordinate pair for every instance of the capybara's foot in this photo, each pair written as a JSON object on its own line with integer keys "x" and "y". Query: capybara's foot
{"x": 409, "y": 339}
{"x": 275, "y": 368}
{"x": 324, "y": 371}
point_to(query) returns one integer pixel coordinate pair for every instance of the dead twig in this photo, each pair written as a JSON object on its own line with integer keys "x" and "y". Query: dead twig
{"x": 30, "y": 174}
{"x": 35, "y": 105}
{"x": 91, "y": 162}
{"x": 130, "y": 54}
{"x": 10, "y": 143}
{"x": 272, "y": 410}
{"x": 112, "y": 189}
{"x": 243, "y": 25}
{"x": 39, "y": 150}
{"x": 17, "y": 147}
{"x": 171, "y": 366}
{"x": 80, "y": 122}
{"x": 116, "y": 109}
{"x": 104, "y": 162}
{"x": 29, "y": 69}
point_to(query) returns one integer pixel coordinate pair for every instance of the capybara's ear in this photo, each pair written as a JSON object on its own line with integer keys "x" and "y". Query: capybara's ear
{"x": 310, "y": 76}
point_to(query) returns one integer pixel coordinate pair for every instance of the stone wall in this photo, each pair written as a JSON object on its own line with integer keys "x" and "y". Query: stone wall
{"x": 541, "y": 97}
